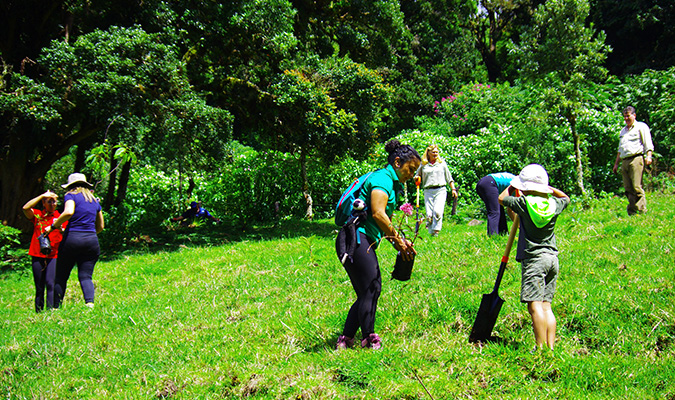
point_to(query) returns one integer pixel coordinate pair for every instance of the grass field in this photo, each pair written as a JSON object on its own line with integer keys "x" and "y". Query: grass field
{"x": 259, "y": 318}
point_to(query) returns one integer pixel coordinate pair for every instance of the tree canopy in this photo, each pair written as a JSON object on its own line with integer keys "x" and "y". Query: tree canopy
{"x": 188, "y": 85}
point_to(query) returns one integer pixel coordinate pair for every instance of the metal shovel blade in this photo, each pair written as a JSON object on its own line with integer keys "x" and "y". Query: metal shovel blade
{"x": 491, "y": 303}
{"x": 486, "y": 318}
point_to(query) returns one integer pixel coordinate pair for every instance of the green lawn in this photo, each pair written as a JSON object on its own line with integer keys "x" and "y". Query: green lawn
{"x": 259, "y": 319}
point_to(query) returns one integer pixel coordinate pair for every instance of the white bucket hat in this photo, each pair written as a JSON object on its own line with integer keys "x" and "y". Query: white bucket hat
{"x": 77, "y": 178}
{"x": 534, "y": 178}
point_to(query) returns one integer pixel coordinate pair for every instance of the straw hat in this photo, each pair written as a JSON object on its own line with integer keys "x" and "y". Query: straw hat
{"x": 533, "y": 178}
{"x": 78, "y": 179}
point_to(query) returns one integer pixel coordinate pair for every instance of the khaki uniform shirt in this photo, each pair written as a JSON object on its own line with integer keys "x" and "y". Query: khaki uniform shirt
{"x": 635, "y": 140}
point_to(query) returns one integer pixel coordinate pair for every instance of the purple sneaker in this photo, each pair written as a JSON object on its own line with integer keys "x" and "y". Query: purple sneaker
{"x": 344, "y": 342}
{"x": 373, "y": 341}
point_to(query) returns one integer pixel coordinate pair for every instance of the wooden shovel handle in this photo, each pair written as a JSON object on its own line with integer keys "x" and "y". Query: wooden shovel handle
{"x": 505, "y": 257}
{"x": 512, "y": 236}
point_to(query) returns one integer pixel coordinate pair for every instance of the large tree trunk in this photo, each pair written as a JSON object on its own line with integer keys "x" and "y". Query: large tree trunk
{"x": 191, "y": 187}
{"x": 22, "y": 169}
{"x": 80, "y": 158}
{"x": 123, "y": 184}
{"x": 112, "y": 181}
{"x": 309, "y": 213}
{"x": 19, "y": 182}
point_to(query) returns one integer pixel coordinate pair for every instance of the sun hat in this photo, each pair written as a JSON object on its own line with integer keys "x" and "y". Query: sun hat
{"x": 79, "y": 179}
{"x": 533, "y": 178}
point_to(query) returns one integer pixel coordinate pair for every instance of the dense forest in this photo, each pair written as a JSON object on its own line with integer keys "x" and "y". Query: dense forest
{"x": 265, "y": 109}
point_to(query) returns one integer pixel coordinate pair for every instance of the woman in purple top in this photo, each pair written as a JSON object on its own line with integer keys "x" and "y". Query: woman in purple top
{"x": 80, "y": 243}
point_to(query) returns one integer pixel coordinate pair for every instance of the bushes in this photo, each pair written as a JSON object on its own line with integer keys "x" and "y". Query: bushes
{"x": 480, "y": 129}
{"x": 652, "y": 93}
{"x": 13, "y": 255}
{"x": 251, "y": 187}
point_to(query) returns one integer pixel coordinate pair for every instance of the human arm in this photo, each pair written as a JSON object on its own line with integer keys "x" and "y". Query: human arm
{"x": 506, "y": 192}
{"x": 211, "y": 217}
{"x": 189, "y": 213}
{"x": 419, "y": 171}
{"x": 618, "y": 160}
{"x": 100, "y": 223}
{"x": 68, "y": 211}
{"x": 646, "y": 138}
{"x": 378, "y": 205}
{"x": 28, "y": 207}
{"x": 558, "y": 193}
{"x": 450, "y": 181}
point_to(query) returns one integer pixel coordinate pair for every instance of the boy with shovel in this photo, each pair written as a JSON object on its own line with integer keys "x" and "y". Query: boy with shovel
{"x": 537, "y": 250}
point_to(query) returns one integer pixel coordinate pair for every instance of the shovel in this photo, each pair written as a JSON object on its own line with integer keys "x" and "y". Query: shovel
{"x": 418, "y": 180}
{"x": 491, "y": 302}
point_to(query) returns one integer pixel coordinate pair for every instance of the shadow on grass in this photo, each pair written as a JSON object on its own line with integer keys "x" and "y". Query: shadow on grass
{"x": 493, "y": 340}
{"x": 172, "y": 237}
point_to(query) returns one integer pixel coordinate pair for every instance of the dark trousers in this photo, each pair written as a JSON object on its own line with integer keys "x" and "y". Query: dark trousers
{"x": 364, "y": 273}
{"x": 79, "y": 248}
{"x": 44, "y": 274}
{"x": 496, "y": 217}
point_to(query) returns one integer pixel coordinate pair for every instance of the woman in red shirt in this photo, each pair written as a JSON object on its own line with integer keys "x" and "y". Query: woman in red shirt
{"x": 44, "y": 265}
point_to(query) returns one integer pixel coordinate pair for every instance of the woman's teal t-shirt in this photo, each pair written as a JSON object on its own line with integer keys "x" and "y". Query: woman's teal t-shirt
{"x": 386, "y": 180}
{"x": 502, "y": 179}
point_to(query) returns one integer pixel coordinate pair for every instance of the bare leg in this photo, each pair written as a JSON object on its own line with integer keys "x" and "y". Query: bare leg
{"x": 550, "y": 324}
{"x": 538, "y": 315}
{"x": 543, "y": 323}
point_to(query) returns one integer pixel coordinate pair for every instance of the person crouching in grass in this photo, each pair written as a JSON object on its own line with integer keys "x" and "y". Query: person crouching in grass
{"x": 537, "y": 250}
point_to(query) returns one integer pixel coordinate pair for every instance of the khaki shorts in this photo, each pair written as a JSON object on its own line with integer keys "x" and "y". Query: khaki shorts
{"x": 539, "y": 277}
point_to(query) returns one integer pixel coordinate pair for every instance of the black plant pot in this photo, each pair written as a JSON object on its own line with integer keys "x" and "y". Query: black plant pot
{"x": 402, "y": 268}
{"x": 45, "y": 244}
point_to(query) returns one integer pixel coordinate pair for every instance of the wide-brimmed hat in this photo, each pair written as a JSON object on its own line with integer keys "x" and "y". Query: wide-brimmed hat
{"x": 533, "y": 178}
{"x": 78, "y": 179}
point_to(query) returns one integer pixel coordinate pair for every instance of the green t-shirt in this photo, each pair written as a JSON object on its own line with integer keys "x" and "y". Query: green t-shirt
{"x": 387, "y": 181}
{"x": 533, "y": 240}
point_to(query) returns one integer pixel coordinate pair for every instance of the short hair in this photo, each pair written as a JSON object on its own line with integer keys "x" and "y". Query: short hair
{"x": 629, "y": 109}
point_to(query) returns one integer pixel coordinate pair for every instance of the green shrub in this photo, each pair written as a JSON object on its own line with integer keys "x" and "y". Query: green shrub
{"x": 652, "y": 95}
{"x": 13, "y": 255}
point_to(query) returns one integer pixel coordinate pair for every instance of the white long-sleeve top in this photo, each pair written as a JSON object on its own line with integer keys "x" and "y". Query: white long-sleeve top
{"x": 436, "y": 174}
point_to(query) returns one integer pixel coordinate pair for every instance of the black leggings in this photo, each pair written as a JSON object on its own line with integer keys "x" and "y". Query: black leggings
{"x": 364, "y": 273}
{"x": 79, "y": 248}
{"x": 44, "y": 273}
{"x": 496, "y": 217}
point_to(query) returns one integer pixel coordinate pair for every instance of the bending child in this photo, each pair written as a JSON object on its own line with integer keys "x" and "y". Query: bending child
{"x": 537, "y": 250}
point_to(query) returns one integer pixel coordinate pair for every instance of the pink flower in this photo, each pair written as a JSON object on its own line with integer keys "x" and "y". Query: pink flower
{"x": 407, "y": 208}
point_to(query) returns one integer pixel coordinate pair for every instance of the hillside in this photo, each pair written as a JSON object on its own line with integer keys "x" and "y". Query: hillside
{"x": 259, "y": 319}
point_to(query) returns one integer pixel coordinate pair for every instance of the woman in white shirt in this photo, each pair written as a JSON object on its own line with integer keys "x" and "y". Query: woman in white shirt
{"x": 435, "y": 177}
